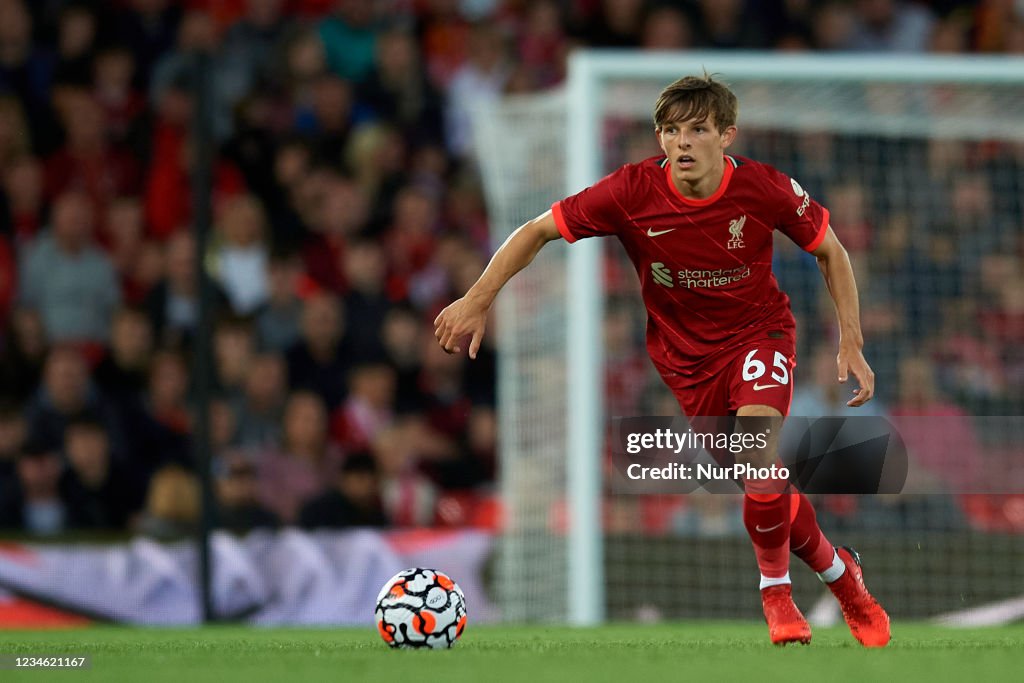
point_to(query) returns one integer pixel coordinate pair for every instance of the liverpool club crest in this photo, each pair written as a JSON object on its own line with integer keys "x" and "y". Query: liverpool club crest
{"x": 736, "y": 230}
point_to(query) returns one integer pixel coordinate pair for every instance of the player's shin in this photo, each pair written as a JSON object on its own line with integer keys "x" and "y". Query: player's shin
{"x": 766, "y": 515}
{"x": 806, "y": 539}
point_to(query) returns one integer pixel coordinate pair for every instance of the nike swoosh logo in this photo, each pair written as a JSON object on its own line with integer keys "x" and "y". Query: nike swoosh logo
{"x": 759, "y": 387}
{"x": 654, "y": 233}
{"x": 771, "y": 528}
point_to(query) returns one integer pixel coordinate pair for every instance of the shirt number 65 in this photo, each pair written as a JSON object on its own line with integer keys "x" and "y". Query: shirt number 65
{"x": 754, "y": 369}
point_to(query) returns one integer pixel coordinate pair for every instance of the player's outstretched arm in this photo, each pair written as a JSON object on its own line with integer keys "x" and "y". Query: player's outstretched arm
{"x": 834, "y": 263}
{"x": 468, "y": 315}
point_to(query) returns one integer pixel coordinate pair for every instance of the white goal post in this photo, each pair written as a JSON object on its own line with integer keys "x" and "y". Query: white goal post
{"x": 785, "y": 92}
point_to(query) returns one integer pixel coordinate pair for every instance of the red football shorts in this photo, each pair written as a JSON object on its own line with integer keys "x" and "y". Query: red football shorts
{"x": 760, "y": 373}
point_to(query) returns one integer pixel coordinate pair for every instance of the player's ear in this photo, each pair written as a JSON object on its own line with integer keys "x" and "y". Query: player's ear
{"x": 728, "y": 135}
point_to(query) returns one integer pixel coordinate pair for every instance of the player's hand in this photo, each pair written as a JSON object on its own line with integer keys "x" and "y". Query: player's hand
{"x": 851, "y": 361}
{"x": 460, "y": 319}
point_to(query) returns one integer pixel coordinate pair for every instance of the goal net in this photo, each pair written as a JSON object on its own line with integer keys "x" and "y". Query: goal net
{"x": 921, "y": 162}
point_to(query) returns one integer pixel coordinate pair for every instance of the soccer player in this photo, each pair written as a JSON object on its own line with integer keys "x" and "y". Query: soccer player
{"x": 698, "y": 225}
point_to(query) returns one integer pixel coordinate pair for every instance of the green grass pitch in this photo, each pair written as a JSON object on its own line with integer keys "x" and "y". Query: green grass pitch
{"x": 691, "y": 651}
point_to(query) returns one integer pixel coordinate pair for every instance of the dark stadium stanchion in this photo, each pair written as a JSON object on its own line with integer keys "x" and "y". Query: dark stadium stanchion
{"x": 202, "y": 355}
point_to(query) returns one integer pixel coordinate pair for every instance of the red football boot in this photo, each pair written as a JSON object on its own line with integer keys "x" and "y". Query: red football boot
{"x": 785, "y": 622}
{"x": 868, "y": 622}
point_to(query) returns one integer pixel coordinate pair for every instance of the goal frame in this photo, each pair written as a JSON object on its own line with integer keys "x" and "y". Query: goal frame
{"x": 588, "y": 72}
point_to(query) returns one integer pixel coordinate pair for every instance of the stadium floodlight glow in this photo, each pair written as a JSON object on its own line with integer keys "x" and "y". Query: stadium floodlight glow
{"x": 549, "y": 318}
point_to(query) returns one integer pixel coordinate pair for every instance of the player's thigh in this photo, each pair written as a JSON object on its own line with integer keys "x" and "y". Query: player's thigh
{"x": 761, "y": 374}
{"x": 760, "y": 392}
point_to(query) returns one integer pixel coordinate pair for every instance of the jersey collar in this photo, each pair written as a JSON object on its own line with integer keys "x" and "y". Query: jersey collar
{"x": 730, "y": 165}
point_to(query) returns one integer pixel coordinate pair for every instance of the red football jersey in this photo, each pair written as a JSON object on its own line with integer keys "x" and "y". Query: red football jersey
{"x": 705, "y": 265}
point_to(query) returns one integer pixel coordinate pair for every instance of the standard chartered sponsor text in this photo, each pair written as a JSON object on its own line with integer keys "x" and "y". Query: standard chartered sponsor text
{"x": 719, "y": 277}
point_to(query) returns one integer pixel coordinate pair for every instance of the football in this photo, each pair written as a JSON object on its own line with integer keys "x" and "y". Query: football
{"x": 421, "y": 608}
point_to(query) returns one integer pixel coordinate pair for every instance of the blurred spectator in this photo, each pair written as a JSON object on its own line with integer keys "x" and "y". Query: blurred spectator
{"x": 24, "y": 353}
{"x": 240, "y": 254}
{"x": 223, "y": 425}
{"x": 113, "y": 87}
{"x": 399, "y": 91}
{"x": 376, "y": 153}
{"x": 22, "y": 208}
{"x": 832, "y": 26}
{"x": 251, "y": 43}
{"x": 320, "y": 361}
{"x": 409, "y": 497}
{"x": 626, "y": 364}
{"x": 666, "y": 27}
{"x": 328, "y": 117}
{"x": 148, "y": 28}
{"x": 722, "y": 25}
{"x": 938, "y": 433}
{"x": 304, "y": 464}
{"x": 168, "y": 192}
{"x": 543, "y": 45}
{"x": 67, "y": 279}
{"x": 233, "y": 347}
{"x": 614, "y": 23}
{"x": 341, "y": 213}
{"x": 470, "y": 463}
{"x": 65, "y": 395}
{"x": 401, "y": 336}
{"x": 368, "y": 408}
{"x": 172, "y": 504}
{"x": 252, "y": 147}
{"x": 278, "y": 323}
{"x": 158, "y": 427}
{"x": 349, "y": 36}
{"x": 285, "y": 196}
{"x": 88, "y": 162}
{"x": 366, "y": 301}
{"x": 480, "y": 79}
{"x": 139, "y": 262}
{"x": 411, "y": 244}
{"x": 239, "y": 509}
{"x": 97, "y": 490}
{"x": 76, "y": 42}
{"x": 173, "y": 304}
{"x": 848, "y": 207}
{"x": 123, "y": 372}
{"x": 353, "y": 500}
{"x": 36, "y": 508}
{"x": 890, "y": 26}
{"x": 15, "y": 142}
{"x": 446, "y": 407}
{"x": 26, "y": 70}
{"x": 261, "y": 406}
{"x": 197, "y": 34}
{"x": 304, "y": 62}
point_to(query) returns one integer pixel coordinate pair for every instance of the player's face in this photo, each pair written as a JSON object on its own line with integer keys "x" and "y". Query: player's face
{"x": 694, "y": 150}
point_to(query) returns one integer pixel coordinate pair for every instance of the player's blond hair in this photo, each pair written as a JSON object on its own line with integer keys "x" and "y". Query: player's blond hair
{"x": 697, "y": 98}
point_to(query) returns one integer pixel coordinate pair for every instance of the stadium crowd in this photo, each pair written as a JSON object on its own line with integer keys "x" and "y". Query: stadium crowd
{"x": 347, "y": 212}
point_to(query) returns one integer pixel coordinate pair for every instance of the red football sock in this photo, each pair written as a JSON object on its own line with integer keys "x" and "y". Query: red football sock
{"x": 806, "y": 539}
{"x": 767, "y": 518}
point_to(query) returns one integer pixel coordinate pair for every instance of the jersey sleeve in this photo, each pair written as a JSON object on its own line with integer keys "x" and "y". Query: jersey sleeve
{"x": 597, "y": 211}
{"x": 800, "y": 218}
